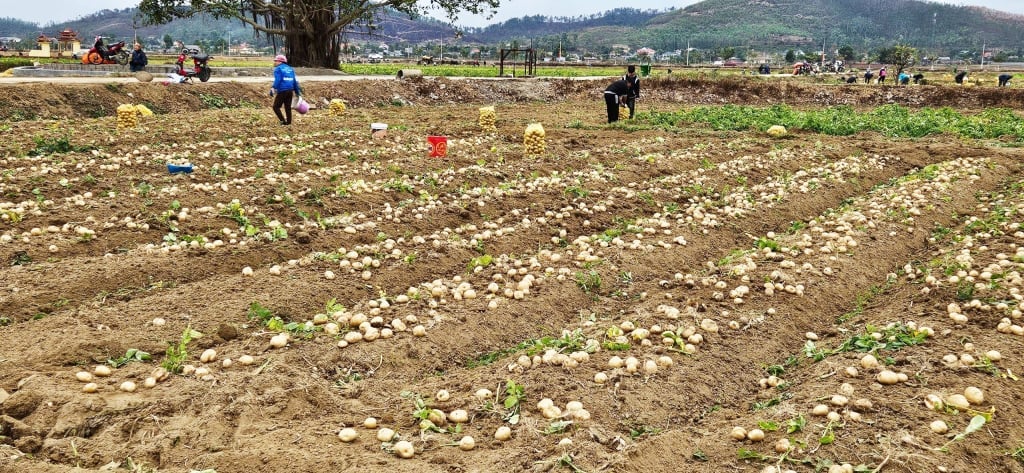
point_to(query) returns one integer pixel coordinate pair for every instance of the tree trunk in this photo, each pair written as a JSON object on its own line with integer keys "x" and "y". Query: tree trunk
{"x": 308, "y": 48}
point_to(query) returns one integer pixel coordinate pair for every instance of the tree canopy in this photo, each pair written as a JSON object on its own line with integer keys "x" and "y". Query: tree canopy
{"x": 312, "y": 29}
{"x": 901, "y": 55}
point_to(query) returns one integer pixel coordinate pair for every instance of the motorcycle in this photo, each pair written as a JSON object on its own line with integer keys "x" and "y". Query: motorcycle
{"x": 803, "y": 68}
{"x": 200, "y": 68}
{"x": 113, "y": 54}
{"x": 836, "y": 67}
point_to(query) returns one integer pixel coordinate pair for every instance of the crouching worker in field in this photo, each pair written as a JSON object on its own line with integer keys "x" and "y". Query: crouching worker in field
{"x": 616, "y": 95}
{"x": 1004, "y": 79}
{"x": 919, "y": 78}
{"x": 960, "y": 76}
{"x": 903, "y": 78}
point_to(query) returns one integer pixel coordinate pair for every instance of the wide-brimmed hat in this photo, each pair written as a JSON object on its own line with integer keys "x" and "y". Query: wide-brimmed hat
{"x": 280, "y": 58}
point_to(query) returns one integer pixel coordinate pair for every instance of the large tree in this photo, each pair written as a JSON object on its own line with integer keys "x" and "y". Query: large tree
{"x": 311, "y": 29}
{"x": 900, "y": 55}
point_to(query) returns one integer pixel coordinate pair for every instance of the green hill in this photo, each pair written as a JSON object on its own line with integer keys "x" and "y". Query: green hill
{"x": 774, "y": 25}
{"x": 712, "y": 27}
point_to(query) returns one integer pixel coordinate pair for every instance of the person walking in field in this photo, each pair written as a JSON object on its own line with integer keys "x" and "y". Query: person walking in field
{"x": 868, "y": 75}
{"x": 634, "y": 92}
{"x": 285, "y": 87}
{"x": 881, "y": 75}
{"x": 1004, "y": 79}
{"x": 615, "y": 95}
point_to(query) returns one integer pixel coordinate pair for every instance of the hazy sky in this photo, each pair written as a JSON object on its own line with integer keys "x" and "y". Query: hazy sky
{"x": 43, "y": 12}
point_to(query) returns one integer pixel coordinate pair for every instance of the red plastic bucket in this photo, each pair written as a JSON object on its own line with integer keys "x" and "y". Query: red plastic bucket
{"x": 438, "y": 146}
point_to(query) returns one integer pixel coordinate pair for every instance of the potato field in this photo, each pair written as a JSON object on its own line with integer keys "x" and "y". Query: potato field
{"x": 683, "y": 291}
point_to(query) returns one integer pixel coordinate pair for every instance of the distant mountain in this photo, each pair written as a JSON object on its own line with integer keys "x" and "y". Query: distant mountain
{"x": 779, "y": 24}
{"x": 742, "y": 25}
{"x": 539, "y": 25}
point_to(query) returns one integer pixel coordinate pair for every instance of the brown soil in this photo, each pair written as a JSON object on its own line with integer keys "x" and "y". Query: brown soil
{"x": 70, "y": 300}
{"x": 50, "y": 101}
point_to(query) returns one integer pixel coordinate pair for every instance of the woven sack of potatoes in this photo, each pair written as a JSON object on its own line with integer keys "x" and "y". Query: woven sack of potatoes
{"x": 533, "y": 139}
{"x": 488, "y": 118}
{"x": 127, "y": 116}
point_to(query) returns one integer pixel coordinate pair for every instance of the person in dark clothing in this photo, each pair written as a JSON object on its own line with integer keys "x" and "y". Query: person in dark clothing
{"x": 918, "y": 78}
{"x": 868, "y": 75}
{"x": 960, "y": 76}
{"x": 100, "y": 49}
{"x": 851, "y": 80}
{"x": 616, "y": 94}
{"x": 634, "y": 92}
{"x": 1004, "y": 79}
{"x": 139, "y": 60}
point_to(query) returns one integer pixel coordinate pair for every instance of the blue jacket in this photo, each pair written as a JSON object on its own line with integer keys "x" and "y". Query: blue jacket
{"x": 284, "y": 78}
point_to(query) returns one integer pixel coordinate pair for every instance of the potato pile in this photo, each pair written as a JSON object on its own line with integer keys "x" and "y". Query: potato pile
{"x": 337, "y": 107}
{"x": 777, "y": 131}
{"x": 533, "y": 139}
{"x": 127, "y": 116}
{"x": 488, "y": 118}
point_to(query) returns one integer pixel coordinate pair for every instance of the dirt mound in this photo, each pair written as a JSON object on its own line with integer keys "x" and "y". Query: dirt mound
{"x": 55, "y": 100}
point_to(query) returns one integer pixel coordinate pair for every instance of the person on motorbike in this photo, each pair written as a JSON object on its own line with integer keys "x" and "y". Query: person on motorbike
{"x": 180, "y": 62}
{"x": 100, "y": 49}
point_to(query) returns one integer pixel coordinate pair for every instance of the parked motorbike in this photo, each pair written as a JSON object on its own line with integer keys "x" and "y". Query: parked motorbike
{"x": 113, "y": 54}
{"x": 836, "y": 67}
{"x": 803, "y": 68}
{"x": 200, "y": 67}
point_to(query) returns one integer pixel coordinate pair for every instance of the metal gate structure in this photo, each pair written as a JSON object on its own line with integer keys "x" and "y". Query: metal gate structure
{"x": 529, "y": 61}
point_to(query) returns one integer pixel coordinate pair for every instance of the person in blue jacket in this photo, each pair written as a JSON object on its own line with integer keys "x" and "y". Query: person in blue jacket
{"x": 284, "y": 88}
{"x": 903, "y": 78}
